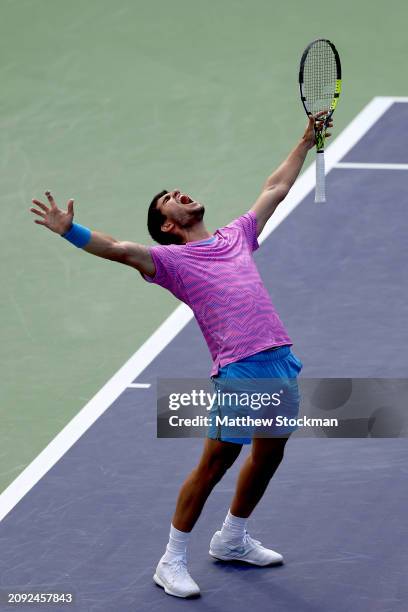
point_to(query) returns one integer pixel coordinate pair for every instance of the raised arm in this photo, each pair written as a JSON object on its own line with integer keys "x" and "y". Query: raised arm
{"x": 96, "y": 243}
{"x": 277, "y": 186}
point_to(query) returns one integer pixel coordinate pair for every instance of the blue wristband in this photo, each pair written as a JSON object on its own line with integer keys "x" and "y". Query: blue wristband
{"x": 78, "y": 235}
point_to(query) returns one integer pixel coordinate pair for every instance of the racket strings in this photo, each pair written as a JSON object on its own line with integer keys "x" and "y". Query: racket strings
{"x": 319, "y": 77}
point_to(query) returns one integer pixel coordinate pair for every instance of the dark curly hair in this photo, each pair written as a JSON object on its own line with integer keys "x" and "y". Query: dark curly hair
{"x": 155, "y": 220}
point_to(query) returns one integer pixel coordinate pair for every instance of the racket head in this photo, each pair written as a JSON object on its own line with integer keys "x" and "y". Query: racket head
{"x": 320, "y": 78}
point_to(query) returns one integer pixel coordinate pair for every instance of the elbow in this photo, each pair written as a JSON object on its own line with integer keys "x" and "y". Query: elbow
{"x": 115, "y": 252}
{"x": 121, "y": 253}
{"x": 280, "y": 191}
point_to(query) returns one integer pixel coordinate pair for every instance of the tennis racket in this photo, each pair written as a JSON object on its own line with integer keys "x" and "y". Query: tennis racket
{"x": 320, "y": 86}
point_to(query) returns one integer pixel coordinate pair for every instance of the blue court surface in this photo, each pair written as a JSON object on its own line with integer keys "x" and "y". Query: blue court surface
{"x": 94, "y": 520}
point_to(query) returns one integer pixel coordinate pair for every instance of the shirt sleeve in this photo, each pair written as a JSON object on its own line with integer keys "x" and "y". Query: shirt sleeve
{"x": 165, "y": 260}
{"x": 248, "y": 226}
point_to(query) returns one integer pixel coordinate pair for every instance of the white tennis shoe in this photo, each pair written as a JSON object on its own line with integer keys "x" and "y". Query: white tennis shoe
{"x": 174, "y": 578}
{"x": 248, "y": 550}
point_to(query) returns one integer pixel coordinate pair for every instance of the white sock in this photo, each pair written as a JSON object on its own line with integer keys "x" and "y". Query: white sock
{"x": 177, "y": 546}
{"x": 233, "y": 528}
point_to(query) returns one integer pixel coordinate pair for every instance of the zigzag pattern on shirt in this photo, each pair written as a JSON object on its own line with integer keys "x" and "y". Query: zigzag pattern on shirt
{"x": 221, "y": 284}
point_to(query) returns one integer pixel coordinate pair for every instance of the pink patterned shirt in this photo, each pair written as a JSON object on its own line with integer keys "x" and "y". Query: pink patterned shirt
{"x": 218, "y": 279}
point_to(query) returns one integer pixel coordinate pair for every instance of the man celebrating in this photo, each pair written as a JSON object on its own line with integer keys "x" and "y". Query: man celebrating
{"x": 216, "y": 276}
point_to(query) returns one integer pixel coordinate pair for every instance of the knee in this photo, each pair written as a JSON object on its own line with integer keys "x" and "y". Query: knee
{"x": 214, "y": 469}
{"x": 267, "y": 461}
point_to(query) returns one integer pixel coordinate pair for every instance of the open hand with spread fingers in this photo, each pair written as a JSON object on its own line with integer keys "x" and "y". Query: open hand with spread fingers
{"x": 57, "y": 220}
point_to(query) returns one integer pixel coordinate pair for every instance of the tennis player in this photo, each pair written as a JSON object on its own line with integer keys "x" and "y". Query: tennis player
{"x": 216, "y": 276}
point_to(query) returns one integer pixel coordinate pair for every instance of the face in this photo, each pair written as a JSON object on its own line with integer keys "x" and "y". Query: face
{"x": 180, "y": 209}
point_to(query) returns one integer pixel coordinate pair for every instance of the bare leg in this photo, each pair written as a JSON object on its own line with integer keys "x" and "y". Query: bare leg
{"x": 259, "y": 467}
{"x": 217, "y": 457}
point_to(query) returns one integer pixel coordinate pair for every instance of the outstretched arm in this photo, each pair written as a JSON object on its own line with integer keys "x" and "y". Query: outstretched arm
{"x": 60, "y": 222}
{"x": 279, "y": 183}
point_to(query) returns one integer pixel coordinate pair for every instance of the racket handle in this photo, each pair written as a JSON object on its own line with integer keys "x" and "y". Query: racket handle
{"x": 320, "y": 192}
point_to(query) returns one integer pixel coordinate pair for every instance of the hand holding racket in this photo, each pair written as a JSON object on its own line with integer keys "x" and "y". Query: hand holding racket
{"x": 316, "y": 124}
{"x": 320, "y": 86}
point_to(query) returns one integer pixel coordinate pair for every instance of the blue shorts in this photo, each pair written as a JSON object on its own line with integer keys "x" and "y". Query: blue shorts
{"x": 270, "y": 371}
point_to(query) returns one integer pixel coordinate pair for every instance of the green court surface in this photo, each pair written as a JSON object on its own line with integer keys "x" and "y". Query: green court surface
{"x": 108, "y": 103}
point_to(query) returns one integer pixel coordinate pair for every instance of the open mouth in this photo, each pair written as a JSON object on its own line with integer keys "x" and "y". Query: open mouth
{"x": 184, "y": 199}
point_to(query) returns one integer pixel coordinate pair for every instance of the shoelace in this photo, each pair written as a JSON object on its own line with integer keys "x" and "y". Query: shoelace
{"x": 249, "y": 540}
{"x": 180, "y": 566}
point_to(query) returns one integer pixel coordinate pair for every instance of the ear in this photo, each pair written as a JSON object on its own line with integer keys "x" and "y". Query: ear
{"x": 168, "y": 226}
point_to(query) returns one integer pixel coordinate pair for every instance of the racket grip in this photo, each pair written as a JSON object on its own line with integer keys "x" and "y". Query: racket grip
{"x": 320, "y": 192}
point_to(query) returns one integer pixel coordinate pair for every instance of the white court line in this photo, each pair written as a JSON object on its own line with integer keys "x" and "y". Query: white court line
{"x": 338, "y": 149}
{"x": 139, "y": 385}
{"x": 396, "y": 98}
{"x": 360, "y": 166}
{"x": 169, "y": 329}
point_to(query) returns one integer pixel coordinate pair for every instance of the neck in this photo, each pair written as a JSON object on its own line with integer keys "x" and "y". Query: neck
{"x": 198, "y": 232}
